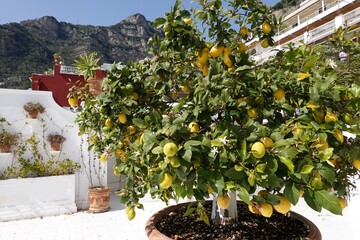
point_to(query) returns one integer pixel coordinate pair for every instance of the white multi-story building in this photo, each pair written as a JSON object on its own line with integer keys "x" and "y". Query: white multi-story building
{"x": 313, "y": 21}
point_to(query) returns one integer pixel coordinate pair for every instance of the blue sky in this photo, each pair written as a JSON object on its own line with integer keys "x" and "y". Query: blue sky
{"x": 87, "y": 12}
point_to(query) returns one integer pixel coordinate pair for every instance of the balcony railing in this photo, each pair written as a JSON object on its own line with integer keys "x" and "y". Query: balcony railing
{"x": 312, "y": 15}
{"x": 322, "y": 31}
{"x": 352, "y": 17}
{"x": 68, "y": 69}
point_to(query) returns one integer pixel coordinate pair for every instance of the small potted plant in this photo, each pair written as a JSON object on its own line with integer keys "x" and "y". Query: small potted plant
{"x": 33, "y": 109}
{"x": 55, "y": 140}
{"x": 7, "y": 140}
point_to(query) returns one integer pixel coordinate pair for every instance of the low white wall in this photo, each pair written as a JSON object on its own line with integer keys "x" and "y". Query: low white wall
{"x": 37, "y": 197}
{"x": 56, "y": 119}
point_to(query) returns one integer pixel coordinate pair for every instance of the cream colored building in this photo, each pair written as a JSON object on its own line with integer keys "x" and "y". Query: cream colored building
{"x": 313, "y": 21}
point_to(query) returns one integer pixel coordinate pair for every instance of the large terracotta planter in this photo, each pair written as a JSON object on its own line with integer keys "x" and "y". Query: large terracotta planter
{"x": 99, "y": 199}
{"x": 154, "y": 234}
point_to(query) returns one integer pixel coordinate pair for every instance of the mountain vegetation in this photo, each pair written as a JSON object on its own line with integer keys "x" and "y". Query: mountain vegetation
{"x": 28, "y": 47}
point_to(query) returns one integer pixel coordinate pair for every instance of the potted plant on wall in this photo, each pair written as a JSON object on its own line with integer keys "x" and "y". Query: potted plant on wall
{"x": 7, "y": 140}
{"x": 55, "y": 140}
{"x": 266, "y": 134}
{"x": 33, "y": 109}
{"x": 57, "y": 58}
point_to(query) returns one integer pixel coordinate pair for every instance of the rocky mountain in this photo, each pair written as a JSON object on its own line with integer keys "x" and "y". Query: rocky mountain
{"x": 28, "y": 47}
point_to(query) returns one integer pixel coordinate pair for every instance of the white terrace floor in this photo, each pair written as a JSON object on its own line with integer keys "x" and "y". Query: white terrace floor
{"x": 115, "y": 225}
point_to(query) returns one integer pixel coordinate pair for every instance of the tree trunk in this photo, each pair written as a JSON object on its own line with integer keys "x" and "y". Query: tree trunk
{"x": 224, "y": 216}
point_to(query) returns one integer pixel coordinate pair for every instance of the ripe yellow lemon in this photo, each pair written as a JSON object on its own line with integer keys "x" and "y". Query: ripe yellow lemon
{"x": 73, "y": 101}
{"x": 244, "y": 30}
{"x": 356, "y": 164}
{"x": 103, "y": 158}
{"x": 167, "y": 181}
{"x": 205, "y": 70}
{"x": 266, "y": 27}
{"x": 130, "y": 212}
{"x": 284, "y": 205}
{"x": 108, "y": 123}
{"x": 242, "y": 47}
{"x": 185, "y": 89}
{"x": 203, "y": 57}
{"x": 312, "y": 105}
{"x": 239, "y": 101}
{"x": 279, "y": 94}
{"x": 174, "y": 94}
{"x": 223, "y": 201}
{"x": 265, "y": 43}
{"x": 253, "y": 208}
{"x": 266, "y": 210}
{"x": 135, "y": 96}
{"x": 258, "y": 149}
{"x": 330, "y": 117}
{"x": 131, "y": 129}
{"x": 339, "y": 135}
{"x": 174, "y": 161}
{"x": 188, "y": 21}
{"x": 302, "y": 76}
{"x": 216, "y": 51}
{"x": 268, "y": 142}
{"x": 262, "y": 193}
{"x": 194, "y": 127}
{"x": 170, "y": 149}
{"x": 253, "y": 112}
{"x": 122, "y": 118}
{"x": 297, "y": 130}
{"x": 320, "y": 144}
{"x": 342, "y": 202}
{"x": 116, "y": 171}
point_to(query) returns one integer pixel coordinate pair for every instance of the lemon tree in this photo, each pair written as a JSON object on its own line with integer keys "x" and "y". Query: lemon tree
{"x": 206, "y": 120}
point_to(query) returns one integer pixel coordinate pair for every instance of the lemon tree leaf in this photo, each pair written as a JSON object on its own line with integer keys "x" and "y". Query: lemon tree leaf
{"x": 149, "y": 141}
{"x": 326, "y": 154}
{"x": 157, "y": 150}
{"x": 288, "y": 163}
{"x": 155, "y": 116}
{"x": 236, "y": 175}
{"x": 291, "y": 193}
{"x": 251, "y": 179}
{"x": 328, "y": 201}
{"x": 187, "y": 155}
{"x": 139, "y": 122}
{"x": 244, "y": 195}
{"x": 306, "y": 169}
{"x": 191, "y": 143}
{"x": 289, "y": 152}
{"x": 310, "y": 200}
{"x": 327, "y": 173}
{"x": 273, "y": 180}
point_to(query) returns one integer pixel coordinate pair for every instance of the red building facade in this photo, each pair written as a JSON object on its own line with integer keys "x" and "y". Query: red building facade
{"x": 59, "y": 83}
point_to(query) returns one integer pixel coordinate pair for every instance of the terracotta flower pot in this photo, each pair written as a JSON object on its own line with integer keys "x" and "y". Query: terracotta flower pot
{"x": 99, "y": 199}
{"x": 154, "y": 234}
{"x": 32, "y": 115}
{"x": 5, "y": 149}
{"x": 95, "y": 86}
{"x": 55, "y": 146}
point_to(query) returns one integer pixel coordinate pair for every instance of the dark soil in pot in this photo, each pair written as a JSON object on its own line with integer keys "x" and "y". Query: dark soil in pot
{"x": 249, "y": 226}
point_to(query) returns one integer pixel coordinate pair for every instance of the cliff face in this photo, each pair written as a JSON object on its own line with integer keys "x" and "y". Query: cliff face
{"x": 28, "y": 46}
